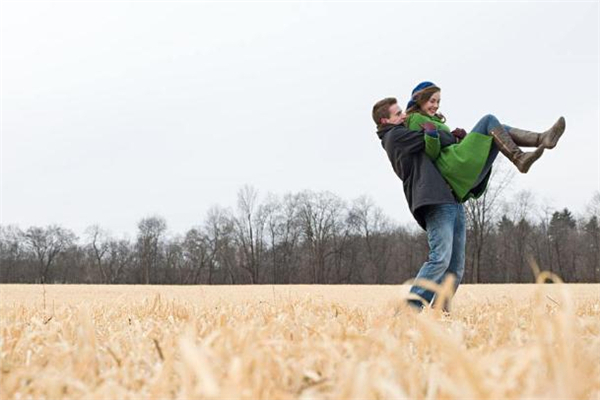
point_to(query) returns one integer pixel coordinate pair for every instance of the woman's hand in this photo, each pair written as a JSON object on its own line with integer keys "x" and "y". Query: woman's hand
{"x": 459, "y": 133}
{"x": 429, "y": 128}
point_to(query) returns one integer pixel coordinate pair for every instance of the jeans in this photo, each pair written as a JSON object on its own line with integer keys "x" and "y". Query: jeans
{"x": 446, "y": 235}
{"x": 484, "y": 126}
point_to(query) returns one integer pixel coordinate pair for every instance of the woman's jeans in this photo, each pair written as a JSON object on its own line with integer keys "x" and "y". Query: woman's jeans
{"x": 486, "y": 124}
{"x": 483, "y": 127}
{"x": 446, "y": 234}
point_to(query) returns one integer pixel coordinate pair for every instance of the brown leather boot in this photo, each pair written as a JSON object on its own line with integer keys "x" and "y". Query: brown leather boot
{"x": 548, "y": 139}
{"x": 509, "y": 148}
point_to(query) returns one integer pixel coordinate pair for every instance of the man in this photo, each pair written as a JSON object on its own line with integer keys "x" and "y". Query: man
{"x": 429, "y": 197}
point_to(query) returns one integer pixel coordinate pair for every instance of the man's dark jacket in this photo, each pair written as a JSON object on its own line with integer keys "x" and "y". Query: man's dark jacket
{"x": 423, "y": 183}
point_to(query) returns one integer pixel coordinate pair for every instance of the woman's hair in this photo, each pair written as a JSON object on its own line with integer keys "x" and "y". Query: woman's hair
{"x": 422, "y": 97}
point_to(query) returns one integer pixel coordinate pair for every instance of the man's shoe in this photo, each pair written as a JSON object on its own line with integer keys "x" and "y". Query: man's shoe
{"x": 416, "y": 302}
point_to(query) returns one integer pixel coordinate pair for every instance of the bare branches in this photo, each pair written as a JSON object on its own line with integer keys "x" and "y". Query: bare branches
{"x": 47, "y": 243}
{"x": 309, "y": 237}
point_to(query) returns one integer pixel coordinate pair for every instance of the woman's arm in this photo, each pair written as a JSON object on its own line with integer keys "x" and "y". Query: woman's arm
{"x": 421, "y": 123}
{"x": 415, "y": 120}
{"x": 432, "y": 140}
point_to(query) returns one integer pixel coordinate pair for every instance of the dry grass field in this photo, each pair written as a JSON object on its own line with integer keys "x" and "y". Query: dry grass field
{"x": 288, "y": 342}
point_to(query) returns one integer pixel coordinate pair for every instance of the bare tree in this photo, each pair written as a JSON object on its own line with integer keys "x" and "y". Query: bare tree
{"x": 12, "y": 247}
{"x": 560, "y": 232}
{"x": 98, "y": 248}
{"x": 543, "y": 244}
{"x": 593, "y": 208}
{"x": 273, "y": 221}
{"x": 150, "y": 232}
{"x": 120, "y": 257}
{"x": 592, "y": 232}
{"x": 283, "y": 231}
{"x": 250, "y": 226}
{"x": 47, "y": 243}
{"x": 481, "y": 214}
{"x": 196, "y": 253}
{"x": 219, "y": 228}
{"x": 515, "y": 236}
{"x": 177, "y": 270}
{"x": 367, "y": 220}
{"x": 592, "y": 247}
{"x": 505, "y": 228}
{"x": 321, "y": 216}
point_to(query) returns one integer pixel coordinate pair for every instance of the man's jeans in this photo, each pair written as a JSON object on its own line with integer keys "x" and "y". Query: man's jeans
{"x": 446, "y": 234}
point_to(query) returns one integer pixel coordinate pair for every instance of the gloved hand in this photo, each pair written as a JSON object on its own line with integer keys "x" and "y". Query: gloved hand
{"x": 429, "y": 128}
{"x": 459, "y": 133}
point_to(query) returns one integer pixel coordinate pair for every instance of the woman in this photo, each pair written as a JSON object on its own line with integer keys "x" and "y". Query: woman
{"x": 465, "y": 160}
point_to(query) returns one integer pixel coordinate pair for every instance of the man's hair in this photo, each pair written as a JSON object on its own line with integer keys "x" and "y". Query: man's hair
{"x": 381, "y": 109}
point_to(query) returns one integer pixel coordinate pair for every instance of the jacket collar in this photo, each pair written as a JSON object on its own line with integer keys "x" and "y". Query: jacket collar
{"x": 386, "y": 128}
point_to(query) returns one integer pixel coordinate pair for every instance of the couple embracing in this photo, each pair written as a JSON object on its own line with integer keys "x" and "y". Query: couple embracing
{"x": 441, "y": 169}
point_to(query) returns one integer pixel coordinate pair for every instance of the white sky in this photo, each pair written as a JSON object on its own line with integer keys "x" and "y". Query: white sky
{"x": 114, "y": 111}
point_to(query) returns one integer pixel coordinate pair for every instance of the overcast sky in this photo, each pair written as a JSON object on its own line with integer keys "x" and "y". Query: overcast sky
{"x": 114, "y": 111}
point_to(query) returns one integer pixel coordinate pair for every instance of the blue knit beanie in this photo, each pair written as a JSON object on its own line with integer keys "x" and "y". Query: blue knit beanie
{"x": 418, "y": 88}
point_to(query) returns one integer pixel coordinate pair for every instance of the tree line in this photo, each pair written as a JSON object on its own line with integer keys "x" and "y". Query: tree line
{"x": 309, "y": 238}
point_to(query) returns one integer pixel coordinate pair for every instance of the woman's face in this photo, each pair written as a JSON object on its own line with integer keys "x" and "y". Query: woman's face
{"x": 432, "y": 105}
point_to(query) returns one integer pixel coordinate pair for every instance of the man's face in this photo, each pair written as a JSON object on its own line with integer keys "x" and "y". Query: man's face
{"x": 397, "y": 117}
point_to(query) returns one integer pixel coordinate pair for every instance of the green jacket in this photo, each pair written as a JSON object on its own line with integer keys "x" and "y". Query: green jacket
{"x": 460, "y": 164}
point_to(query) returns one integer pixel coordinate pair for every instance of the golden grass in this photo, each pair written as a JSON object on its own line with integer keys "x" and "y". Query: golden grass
{"x": 307, "y": 342}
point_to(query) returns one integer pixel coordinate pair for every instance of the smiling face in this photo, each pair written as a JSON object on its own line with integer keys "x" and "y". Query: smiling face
{"x": 431, "y": 105}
